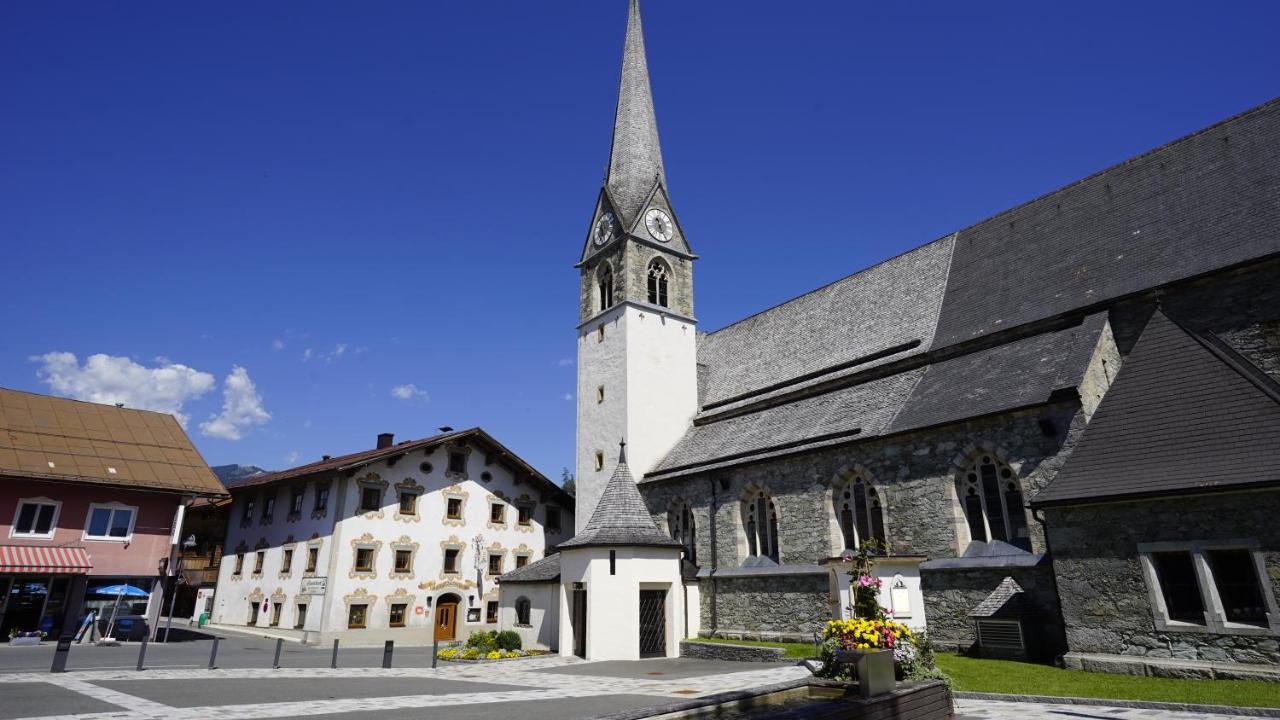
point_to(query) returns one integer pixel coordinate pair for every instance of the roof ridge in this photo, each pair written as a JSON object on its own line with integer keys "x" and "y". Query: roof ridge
{"x": 1232, "y": 358}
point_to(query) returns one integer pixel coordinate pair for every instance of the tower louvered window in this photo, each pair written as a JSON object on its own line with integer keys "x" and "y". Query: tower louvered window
{"x": 761, "y": 523}
{"x": 658, "y": 279}
{"x": 606, "y": 288}
{"x": 860, "y": 514}
{"x": 991, "y": 497}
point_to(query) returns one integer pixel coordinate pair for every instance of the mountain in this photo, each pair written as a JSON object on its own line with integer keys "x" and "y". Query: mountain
{"x": 232, "y": 475}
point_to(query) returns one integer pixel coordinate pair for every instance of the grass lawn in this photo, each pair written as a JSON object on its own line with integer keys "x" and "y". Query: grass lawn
{"x": 794, "y": 651}
{"x": 1005, "y": 676}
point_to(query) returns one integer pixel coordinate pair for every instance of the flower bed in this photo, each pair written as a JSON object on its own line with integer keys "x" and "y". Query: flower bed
{"x": 473, "y": 655}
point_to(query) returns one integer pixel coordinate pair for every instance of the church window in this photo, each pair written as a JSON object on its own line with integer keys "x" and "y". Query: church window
{"x": 605, "y": 281}
{"x": 683, "y": 530}
{"x": 860, "y": 514}
{"x": 761, "y": 522}
{"x": 658, "y": 278}
{"x": 992, "y": 501}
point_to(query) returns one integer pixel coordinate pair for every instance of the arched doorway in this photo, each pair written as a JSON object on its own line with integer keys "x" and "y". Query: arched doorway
{"x": 447, "y": 616}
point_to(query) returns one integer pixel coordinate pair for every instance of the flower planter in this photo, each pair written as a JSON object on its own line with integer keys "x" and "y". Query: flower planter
{"x": 874, "y": 670}
{"x": 21, "y": 641}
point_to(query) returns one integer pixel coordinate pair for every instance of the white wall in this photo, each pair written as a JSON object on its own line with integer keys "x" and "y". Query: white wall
{"x": 613, "y": 600}
{"x": 543, "y": 630}
{"x": 647, "y": 363}
{"x": 889, "y": 570}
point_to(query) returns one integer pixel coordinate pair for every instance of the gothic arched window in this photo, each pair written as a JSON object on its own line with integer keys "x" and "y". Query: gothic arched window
{"x": 605, "y": 280}
{"x": 992, "y": 501}
{"x": 859, "y": 513}
{"x": 659, "y": 275}
{"x": 683, "y": 529}
{"x": 760, "y": 520}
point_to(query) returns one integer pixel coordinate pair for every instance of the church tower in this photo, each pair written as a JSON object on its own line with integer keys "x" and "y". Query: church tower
{"x": 637, "y": 351}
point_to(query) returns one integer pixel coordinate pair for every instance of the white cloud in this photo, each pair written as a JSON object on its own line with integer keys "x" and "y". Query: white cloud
{"x": 277, "y": 344}
{"x": 409, "y": 391}
{"x": 568, "y": 397}
{"x": 292, "y": 457}
{"x": 112, "y": 379}
{"x": 565, "y": 362}
{"x": 306, "y": 355}
{"x": 241, "y": 408}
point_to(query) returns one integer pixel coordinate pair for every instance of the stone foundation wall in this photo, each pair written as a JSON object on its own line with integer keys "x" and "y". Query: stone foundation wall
{"x": 1105, "y": 600}
{"x": 951, "y": 593}
{"x": 736, "y": 653}
{"x": 788, "y": 608}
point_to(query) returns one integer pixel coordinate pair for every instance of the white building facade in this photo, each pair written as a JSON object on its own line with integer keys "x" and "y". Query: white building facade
{"x": 404, "y": 541}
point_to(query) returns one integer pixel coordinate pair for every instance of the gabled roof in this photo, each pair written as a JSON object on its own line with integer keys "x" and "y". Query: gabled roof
{"x": 635, "y": 159}
{"x": 1184, "y": 414}
{"x": 1008, "y": 599}
{"x": 51, "y": 438}
{"x": 545, "y": 570}
{"x": 621, "y": 517}
{"x": 355, "y": 460}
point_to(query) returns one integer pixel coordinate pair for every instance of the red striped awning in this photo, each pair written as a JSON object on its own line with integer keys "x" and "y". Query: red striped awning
{"x": 52, "y": 560}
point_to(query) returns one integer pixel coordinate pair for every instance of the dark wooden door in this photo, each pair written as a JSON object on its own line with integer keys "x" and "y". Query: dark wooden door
{"x": 580, "y": 623}
{"x": 653, "y": 623}
{"x": 446, "y": 620}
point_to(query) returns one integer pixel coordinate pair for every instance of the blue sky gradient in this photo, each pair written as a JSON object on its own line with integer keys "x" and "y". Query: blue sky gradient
{"x": 401, "y": 189}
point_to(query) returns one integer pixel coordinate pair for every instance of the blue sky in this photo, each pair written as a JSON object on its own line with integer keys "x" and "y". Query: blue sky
{"x": 301, "y": 224}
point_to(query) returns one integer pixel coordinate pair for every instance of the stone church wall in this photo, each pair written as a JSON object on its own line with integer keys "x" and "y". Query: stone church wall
{"x": 1105, "y": 601}
{"x": 788, "y": 608}
{"x": 949, "y": 595}
{"x": 915, "y": 475}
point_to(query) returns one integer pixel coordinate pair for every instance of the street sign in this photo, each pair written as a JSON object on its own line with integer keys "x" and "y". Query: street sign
{"x": 314, "y": 586}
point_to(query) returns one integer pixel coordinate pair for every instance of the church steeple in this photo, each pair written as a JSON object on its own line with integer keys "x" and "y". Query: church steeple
{"x": 635, "y": 159}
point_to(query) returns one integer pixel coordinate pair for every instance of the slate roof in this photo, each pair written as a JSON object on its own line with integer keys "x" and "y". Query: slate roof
{"x": 635, "y": 159}
{"x": 1021, "y": 373}
{"x": 892, "y": 305}
{"x": 52, "y": 438}
{"x": 1185, "y": 413}
{"x": 1007, "y": 599}
{"x": 364, "y": 457}
{"x": 1207, "y": 201}
{"x": 620, "y": 517}
{"x": 546, "y": 570}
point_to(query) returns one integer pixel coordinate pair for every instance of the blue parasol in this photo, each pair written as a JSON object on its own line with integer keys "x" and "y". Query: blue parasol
{"x": 121, "y": 590}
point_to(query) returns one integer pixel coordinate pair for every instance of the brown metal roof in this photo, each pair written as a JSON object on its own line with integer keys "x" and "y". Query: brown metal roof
{"x": 50, "y": 438}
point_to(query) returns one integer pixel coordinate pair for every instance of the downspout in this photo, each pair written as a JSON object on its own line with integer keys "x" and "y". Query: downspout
{"x": 715, "y": 616}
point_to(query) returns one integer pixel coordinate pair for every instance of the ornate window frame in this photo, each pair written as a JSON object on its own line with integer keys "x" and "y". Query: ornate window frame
{"x": 237, "y": 569}
{"x": 400, "y": 597}
{"x": 454, "y": 491}
{"x": 269, "y": 497}
{"x": 315, "y": 543}
{"x": 528, "y": 504}
{"x": 360, "y": 596}
{"x": 449, "y": 472}
{"x": 492, "y": 500}
{"x": 323, "y": 489}
{"x": 371, "y": 481}
{"x": 404, "y": 542}
{"x": 287, "y": 551}
{"x": 495, "y": 548}
{"x": 246, "y": 509}
{"x": 452, "y": 543}
{"x": 411, "y": 487}
{"x": 259, "y": 559}
{"x": 297, "y": 491}
{"x": 521, "y": 551}
{"x": 365, "y": 542}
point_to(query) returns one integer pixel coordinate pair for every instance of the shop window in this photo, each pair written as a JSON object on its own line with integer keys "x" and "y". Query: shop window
{"x": 404, "y": 561}
{"x": 451, "y": 560}
{"x": 364, "y": 559}
{"x": 35, "y": 518}
{"x": 300, "y": 617}
{"x": 491, "y": 612}
{"x": 453, "y": 508}
{"x": 396, "y": 615}
{"x": 357, "y": 616}
{"x": 110, "y": 522}
{"x": 370, "y": 499}
{"x": 522, "y": 611}
{"x": 495, "y": 563}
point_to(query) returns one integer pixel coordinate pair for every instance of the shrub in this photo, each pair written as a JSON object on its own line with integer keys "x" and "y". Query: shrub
{"x": 483, "y": 641}
{"x": 508, "y": 640}
{"x": 470, "y": 654}
{"x": 448, "y": 653}
{"x": 493, "y": 655}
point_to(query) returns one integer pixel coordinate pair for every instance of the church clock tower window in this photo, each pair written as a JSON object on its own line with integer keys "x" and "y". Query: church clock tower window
{"x": 606, "y": 287}
{"x": 658, "y": 279}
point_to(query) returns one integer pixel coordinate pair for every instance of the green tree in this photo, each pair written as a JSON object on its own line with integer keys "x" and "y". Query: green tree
{"x": 567, "y": 482}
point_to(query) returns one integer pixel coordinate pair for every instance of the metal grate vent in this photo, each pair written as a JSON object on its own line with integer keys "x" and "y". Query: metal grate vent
{"x": 1002, "y": 634}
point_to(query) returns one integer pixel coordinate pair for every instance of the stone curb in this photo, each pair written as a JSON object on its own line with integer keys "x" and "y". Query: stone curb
{"x": 705, "y": 701}
{"x": 1135, "y": 704}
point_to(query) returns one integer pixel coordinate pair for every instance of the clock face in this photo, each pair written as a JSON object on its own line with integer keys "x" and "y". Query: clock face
{"x": 604, "y": 228}
{"x": 659, "y": 224}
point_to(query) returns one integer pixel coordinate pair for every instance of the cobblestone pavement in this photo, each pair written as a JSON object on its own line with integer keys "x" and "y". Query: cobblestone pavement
{"x": 1000, "y": 710}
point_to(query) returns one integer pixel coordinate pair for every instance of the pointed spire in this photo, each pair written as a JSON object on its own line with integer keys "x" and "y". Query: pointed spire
{"x": 621, "y": 517}
{"x": 635, "y": 160}
{"x": 622, "y": 452}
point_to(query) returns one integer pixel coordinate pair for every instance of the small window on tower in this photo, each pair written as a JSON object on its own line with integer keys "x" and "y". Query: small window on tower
{"x": 600, "y": 394}
{"x": 600, "y": 334}
{"x": 599, "y": 461}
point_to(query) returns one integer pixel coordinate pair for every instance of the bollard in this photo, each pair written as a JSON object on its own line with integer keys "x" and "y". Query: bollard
{"x": 213, "y": 654}
{"x": 386, "y": 654}
{"x": 60, "y": 654}
{"x": 142, "y": 652}
{"x": 435, "y": 650}
{"x": 334, "y": 663}
{"x": 275, "y": 664}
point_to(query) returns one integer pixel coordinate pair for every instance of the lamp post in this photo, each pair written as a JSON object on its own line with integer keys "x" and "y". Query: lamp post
{"x": 187, "y": 544}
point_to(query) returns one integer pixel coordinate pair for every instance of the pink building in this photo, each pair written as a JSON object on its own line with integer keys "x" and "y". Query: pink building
{"x": 90, "y": 496}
